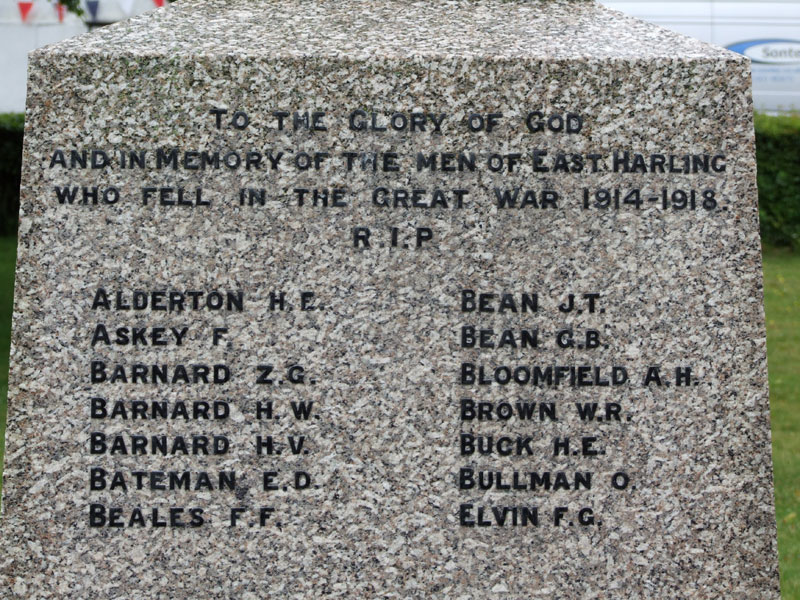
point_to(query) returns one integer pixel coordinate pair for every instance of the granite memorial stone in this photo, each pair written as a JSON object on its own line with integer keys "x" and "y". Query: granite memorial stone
{"x": 376, "y": 299}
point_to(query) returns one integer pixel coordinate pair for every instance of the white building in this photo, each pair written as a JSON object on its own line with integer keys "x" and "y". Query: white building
{"x": 44, "y": 25}
{"x": 767, "y": 32}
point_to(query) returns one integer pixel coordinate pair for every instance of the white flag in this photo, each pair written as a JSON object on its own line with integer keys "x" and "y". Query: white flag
{"x": 126, "y": 6}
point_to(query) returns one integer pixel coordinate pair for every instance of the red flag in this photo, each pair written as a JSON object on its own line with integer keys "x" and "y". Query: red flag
{"x": 25, "y": 9}
{"x": 159, "y": 3}
{"x": 60, "y": 10}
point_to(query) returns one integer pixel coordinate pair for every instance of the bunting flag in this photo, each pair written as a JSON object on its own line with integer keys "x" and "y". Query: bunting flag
{"x": 159, "y": 3}
{"x": 25, "y": 9}
{"x": 60, "y": 9}
{"x": 126, "y": 6}
{"x": 93, "y": 5}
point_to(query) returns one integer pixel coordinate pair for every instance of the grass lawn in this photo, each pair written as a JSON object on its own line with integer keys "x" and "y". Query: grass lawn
{"x": 782, "y": 298}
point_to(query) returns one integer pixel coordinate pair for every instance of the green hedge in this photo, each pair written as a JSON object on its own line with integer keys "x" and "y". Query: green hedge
{"x": 777, "y": 149}
{"x": 778, "y": 155}
{"x": 10, "y": 164}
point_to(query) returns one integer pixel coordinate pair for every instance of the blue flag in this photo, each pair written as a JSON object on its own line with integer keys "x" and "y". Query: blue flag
{"x": 93, "y": 5}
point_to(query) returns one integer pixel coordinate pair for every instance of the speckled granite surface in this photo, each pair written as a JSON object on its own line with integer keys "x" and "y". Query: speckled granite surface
{"x": 375, "y": 493}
